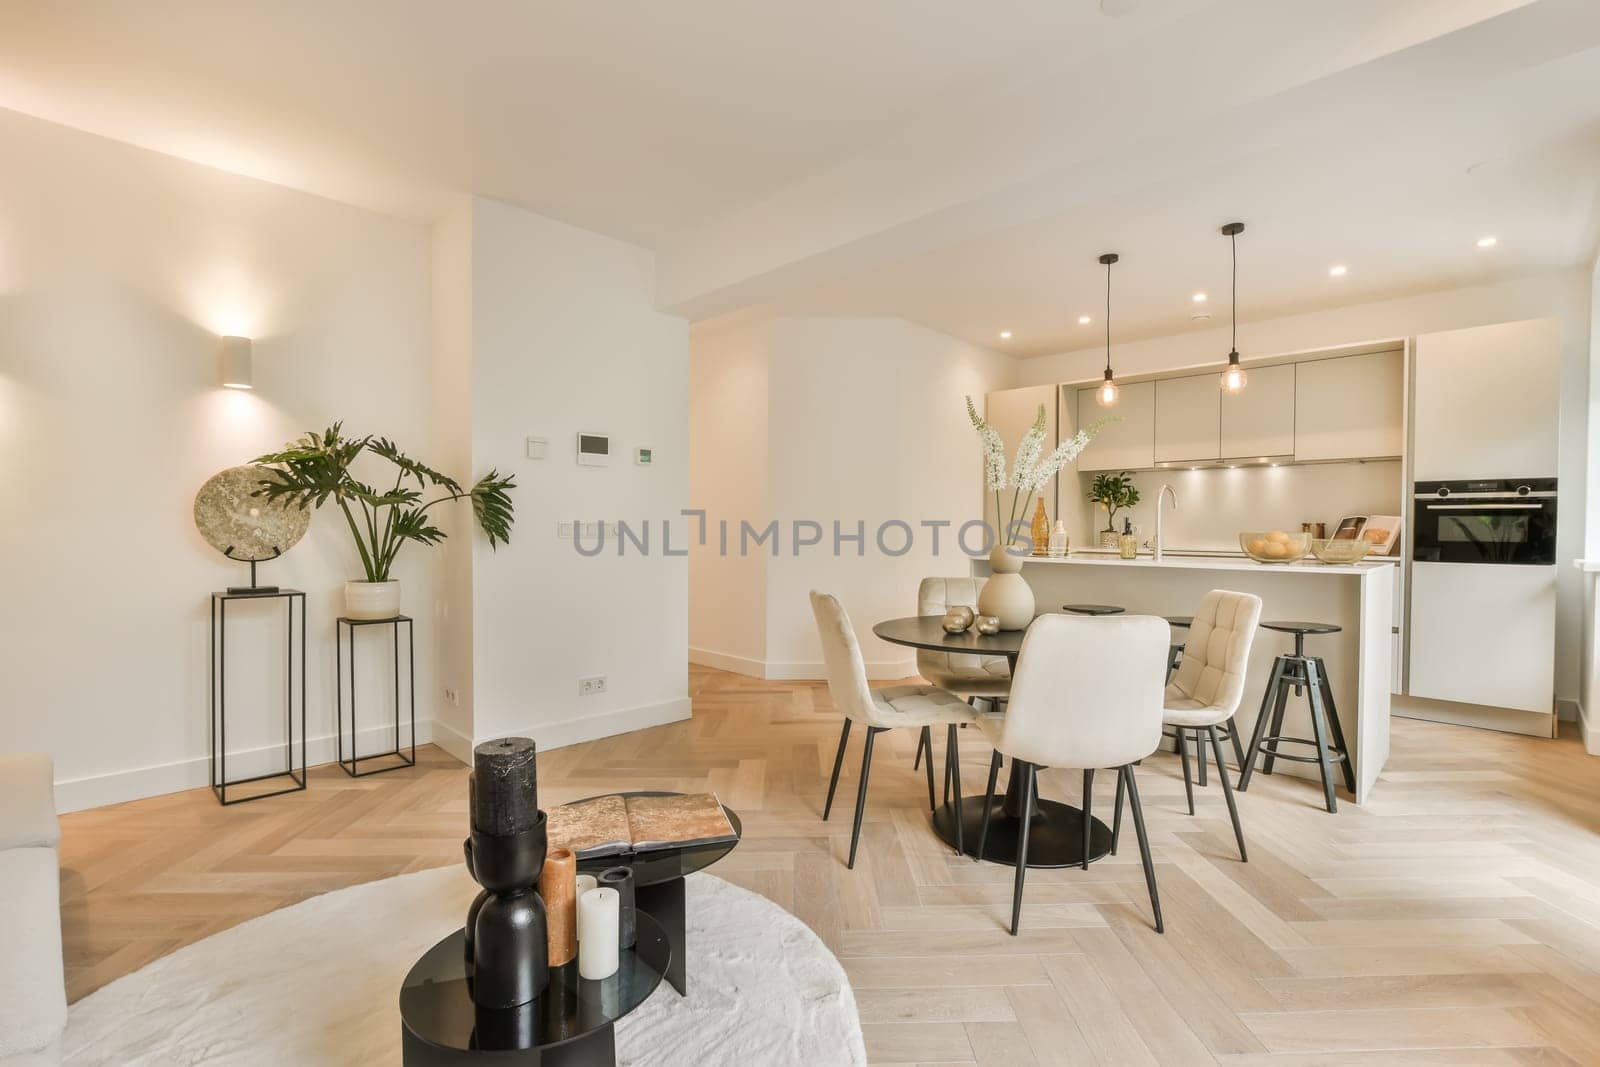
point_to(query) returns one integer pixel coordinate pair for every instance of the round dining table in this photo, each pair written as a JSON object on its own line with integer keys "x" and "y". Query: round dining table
{"x": 1055, "y": 834}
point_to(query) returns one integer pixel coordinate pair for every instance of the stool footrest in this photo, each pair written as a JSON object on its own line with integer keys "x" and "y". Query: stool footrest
{"x": 1333, "y": 753}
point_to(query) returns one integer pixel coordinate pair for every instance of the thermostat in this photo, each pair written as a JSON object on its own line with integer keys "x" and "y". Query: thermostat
{"x": 594, "y": 449}
{"x": 643, "y": 456}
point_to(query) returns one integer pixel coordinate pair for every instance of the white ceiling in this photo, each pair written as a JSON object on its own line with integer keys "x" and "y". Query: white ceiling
{"x": 957, "y": 164}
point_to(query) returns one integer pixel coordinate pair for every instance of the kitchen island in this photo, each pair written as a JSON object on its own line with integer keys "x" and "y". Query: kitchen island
{"x": 1357, "y": 597}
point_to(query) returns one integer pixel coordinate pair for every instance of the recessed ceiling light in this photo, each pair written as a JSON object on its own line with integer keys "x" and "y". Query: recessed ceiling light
{"x": 1488, "y": 241}
{"x": 1084, "y": 320}
{"x": 1005, "y": 335}
{"x": 1199, "y": 298}
{"x": 1338, "y": 270}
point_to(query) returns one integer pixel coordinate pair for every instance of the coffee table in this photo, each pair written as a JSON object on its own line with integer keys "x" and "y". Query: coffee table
{"x": 658, "y": 881}
{"x": 571, "y": 1024}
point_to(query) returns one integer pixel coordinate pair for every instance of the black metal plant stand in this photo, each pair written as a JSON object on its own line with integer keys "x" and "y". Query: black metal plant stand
{"x": 345, "y": 630}
{"x": 218, "y": 692}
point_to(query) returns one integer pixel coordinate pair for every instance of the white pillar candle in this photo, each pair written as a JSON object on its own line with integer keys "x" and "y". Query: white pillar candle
{"x": 598, "y": 933}
{"x": 586, "y": 882}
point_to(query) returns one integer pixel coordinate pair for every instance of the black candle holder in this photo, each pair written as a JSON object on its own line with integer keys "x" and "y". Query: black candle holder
{"x": 621, "y": 879}
{"x": 506, "y": 931}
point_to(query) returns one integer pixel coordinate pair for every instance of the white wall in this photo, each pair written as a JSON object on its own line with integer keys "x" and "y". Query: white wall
{"x": 728, "y": 479}
{"x": 565, "y": 338}
{"x": 119, "y": 269}
{"x": 1566, "y": 296}
{"x": 863, "y": 422}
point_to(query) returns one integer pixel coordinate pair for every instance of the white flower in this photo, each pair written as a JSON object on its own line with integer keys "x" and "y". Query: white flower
{"x": 994, "y": 451}
{"x": 1022, "y": 473}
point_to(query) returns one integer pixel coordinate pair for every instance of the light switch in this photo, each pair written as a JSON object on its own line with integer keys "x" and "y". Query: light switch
{"x": 536, "y": 446}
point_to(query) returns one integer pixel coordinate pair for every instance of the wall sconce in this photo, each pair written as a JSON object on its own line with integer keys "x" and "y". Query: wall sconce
{"x": 233, "y": 359}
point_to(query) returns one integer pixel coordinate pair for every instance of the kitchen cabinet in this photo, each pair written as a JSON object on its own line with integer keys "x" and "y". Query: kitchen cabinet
{"x": 1487, "y": 402}
{"x": 1260, "y": 420}
{"x": 1011, "y": 412}
{"x": 1188, "y": 414}
{"x": 1484, "y": 634}
{"x": 1125, "y": 445}
{"x": 1349, "y": 407}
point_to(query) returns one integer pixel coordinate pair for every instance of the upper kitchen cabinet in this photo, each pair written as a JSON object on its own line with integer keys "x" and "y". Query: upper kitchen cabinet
{"x": 1349, "y": 407}
{"x": 1187, "y": 415}
{"x": 1259, "y": 421}
{"x": 1125, "y": 445}
{"x": 1012, "y": 411}
{"x": 1487, "y": 402}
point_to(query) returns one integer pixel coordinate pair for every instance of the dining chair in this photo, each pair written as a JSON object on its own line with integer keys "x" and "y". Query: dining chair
{"x": 1086, "y": 695}
{"x": 914, "y": 706}
{"x": 969, "y": 676}
{"x": 1205, "y": 691}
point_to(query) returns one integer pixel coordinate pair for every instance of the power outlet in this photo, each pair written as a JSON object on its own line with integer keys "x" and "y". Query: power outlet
{"x": 452, "y": 697}
{"x": 591, "y": 686}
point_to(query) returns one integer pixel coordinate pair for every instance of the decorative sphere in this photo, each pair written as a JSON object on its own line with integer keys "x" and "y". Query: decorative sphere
{"x": 957, "y": 619}
{"x": 988, "y": 624}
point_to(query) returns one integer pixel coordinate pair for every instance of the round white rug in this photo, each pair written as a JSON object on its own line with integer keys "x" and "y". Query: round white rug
{"x": 319, "y": 983}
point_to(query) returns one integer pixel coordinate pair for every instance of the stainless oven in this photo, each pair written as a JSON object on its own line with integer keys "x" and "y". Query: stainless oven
{"x": 1493, "y": 521}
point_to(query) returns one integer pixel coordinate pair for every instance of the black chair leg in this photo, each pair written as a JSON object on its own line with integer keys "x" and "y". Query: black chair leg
{"x": 1338, "y": 728}
{"x": 1238, "y": 749}
{"x": 1319, "y": 731}
{"x": 1188, "y": 782}
{"x": 1144, "y": 849}
{"x": 922, "y": 743}
{"x": 838, "y": 760}
{"x": 926, "y": 741}
{"x": 1088, "y": 819}
{"x": 1227, "y": 792}
{"x": 988, "y": 806}
{"x": 1116, "y": 819}
{"x": 1028, "y": 772}
{"x": 1263, "y": 718}
{"x": 1200, "y": 754}
{"x": 952, "y": 759}
{"x": 861, "y": 796}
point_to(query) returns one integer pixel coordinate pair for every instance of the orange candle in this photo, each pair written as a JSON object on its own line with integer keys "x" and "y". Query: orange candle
{"x": 558, "y": 885}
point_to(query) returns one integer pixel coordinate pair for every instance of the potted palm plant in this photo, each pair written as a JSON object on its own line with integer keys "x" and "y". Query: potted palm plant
{"x": 315, "y": 469}
{"x": 1113, "y": 492}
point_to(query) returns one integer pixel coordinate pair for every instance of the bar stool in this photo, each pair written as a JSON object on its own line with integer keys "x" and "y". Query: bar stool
{"x": 1175, "y": 652}
{"x": 1295, "y": 671}
{"x": 1092, "y": 609}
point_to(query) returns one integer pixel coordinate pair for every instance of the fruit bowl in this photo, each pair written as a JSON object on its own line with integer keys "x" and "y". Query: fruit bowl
{"x": 1275, "y": 546}
{"x": 1329, "y": 551}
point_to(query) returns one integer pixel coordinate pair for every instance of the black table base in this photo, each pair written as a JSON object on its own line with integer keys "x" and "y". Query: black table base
{"x": 664, "y": 902}
{"x": 1055, "y": 837}
{"x": 596, "y": 1049}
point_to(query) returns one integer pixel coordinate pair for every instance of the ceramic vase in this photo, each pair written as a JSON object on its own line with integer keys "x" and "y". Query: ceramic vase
{"x": 1006, "y": 595}
{"x": 371, "y": 600}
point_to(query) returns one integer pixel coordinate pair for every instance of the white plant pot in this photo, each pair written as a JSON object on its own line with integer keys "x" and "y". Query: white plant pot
{"x": 372, "y": 600}
{"x": 1006, "y": 595}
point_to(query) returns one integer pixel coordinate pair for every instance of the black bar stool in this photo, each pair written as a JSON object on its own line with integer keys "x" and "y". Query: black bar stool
{"x": 1175, "y": 652}
{"x": 1092, "y": 609}
{"x": 1295, "y": 671}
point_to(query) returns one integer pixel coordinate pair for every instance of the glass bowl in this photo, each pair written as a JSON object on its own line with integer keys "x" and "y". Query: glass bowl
{"x": 1275, "y": 546}
{"x": 1330, "y": 551}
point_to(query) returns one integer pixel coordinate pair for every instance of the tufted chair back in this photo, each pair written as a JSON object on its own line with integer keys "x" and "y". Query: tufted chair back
{"x": 841, "y": 652}
{"x": 1087, "y": 692}
{"x": 1218, "y": 650}
{"x": 935, "y": 596}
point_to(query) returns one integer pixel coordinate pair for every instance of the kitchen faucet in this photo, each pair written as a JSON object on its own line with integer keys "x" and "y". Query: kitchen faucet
{"x": 1165, "y": 490}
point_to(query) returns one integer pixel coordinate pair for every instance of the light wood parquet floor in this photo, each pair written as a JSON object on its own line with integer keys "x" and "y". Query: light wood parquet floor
{"x": 1454, "y": 919}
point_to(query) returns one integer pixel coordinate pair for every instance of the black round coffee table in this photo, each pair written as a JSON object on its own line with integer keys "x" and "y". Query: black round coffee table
{"x": 570, "y": 1025}
{"x": 1055, "y": 834}
{"x": 658, "y": 876}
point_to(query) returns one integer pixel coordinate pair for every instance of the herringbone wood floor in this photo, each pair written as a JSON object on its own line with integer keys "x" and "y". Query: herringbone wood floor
{"x": 1455, "y": 919}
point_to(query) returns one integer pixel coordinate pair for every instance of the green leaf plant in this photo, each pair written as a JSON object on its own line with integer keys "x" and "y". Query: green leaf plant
{"x": 315, "y": 468}
{"x": 1114, "y": 492}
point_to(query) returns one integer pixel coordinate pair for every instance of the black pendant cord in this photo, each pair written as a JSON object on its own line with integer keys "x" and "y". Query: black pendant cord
{"x": 1233, "y": 242}
{"x": 1108, "y": 320}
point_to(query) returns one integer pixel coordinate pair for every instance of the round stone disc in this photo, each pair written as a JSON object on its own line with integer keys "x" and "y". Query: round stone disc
{"x": 242, "y": 526}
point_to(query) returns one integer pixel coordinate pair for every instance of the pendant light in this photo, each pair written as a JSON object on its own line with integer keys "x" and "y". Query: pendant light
{"x": 1106, "y": 395}
{"x": 1233, "y": 375}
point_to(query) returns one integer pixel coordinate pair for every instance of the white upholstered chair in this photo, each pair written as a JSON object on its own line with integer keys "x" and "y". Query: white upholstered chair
{"x": 966, "y": 675}
{"x": 1086, "y": 695}
{"x": 915, "y": 706}
{"x": 1209, "y": 683}
{"x": 33, "y": 996}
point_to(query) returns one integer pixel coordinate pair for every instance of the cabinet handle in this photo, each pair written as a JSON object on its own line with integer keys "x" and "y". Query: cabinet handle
{"x": 1484, "y": 507}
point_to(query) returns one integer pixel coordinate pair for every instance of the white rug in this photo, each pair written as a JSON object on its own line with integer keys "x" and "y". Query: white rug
{"x": 319, "y": 983}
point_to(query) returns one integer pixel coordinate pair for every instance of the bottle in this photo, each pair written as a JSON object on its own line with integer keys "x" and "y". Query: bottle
{"x": 1058, "y": 539}
{"x": 1041, "y": 529}
{"x": 1128, "y": 543}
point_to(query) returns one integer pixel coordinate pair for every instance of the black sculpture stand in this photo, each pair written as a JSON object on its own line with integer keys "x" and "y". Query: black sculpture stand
{"x": 344, "y": 629}
{"x": 295, "y": 664}
{"x": 508, "y": 942}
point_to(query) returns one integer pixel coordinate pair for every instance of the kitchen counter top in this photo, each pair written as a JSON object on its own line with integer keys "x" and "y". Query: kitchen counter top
{"x": 1217, "y": 562}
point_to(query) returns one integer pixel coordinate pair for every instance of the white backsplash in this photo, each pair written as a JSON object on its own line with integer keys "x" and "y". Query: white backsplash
{"x": 1215, "y": 504}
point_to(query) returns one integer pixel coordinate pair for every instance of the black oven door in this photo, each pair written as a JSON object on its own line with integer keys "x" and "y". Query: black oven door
{"x": 1505, "y": 530}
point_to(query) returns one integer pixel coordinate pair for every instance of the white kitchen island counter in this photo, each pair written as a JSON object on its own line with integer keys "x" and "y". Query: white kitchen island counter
{"x": 1357, "y": 597}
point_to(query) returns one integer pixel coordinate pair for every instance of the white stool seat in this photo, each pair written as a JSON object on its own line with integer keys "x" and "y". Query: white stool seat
{"x": 917, "y": 705}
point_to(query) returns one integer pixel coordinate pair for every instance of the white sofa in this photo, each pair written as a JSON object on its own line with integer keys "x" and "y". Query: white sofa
{"x": 33, "y": 996}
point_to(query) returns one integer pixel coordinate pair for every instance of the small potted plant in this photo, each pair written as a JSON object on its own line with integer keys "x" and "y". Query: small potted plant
{"x": 316, "y": 468}
{"x": 1113, "y": 492}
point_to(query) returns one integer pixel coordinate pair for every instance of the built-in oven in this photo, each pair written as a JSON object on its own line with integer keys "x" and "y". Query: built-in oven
{"x": 1494, "y": 521}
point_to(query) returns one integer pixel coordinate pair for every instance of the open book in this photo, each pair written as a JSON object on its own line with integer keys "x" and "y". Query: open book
{"x": 609, "y": 825}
